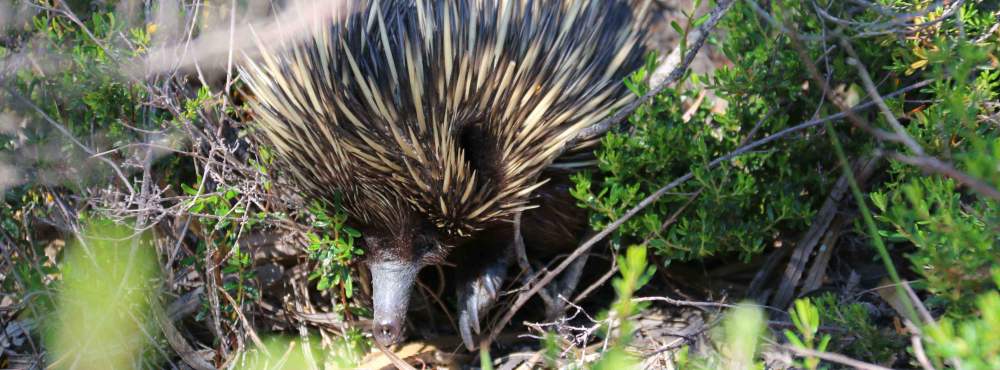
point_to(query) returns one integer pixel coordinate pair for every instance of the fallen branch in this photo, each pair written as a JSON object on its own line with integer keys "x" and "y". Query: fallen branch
{"x": 811, "y": 239}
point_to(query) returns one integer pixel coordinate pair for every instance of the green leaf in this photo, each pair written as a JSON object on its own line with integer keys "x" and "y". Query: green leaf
{"x": 677, "y": 27}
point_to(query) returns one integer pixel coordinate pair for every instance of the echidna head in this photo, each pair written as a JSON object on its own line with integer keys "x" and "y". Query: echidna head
{"x": 394, "y": 259}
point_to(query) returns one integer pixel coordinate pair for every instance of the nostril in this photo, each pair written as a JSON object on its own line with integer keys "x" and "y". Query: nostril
{"x": 386, "y": 332}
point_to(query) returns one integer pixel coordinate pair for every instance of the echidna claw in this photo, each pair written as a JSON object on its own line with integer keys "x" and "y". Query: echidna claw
{"x": 464, "y": 330}
{"x": 475, "y": 298}
{"x": 475, "y": 317}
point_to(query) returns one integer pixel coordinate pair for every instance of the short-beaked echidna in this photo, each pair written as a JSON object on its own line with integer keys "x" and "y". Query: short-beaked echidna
{"x": 434, "y": 121}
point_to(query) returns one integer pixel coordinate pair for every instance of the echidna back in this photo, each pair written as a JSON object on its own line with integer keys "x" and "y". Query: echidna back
{"x": 447, "y": 110}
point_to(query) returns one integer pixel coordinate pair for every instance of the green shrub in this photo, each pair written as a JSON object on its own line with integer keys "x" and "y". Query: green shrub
{"x": 953, "y": 228}
{"x": 754, "y": 200}
{"x": 973, "y": 343}
{"x": 859, "y": 337}
{"x": 772, "y": 194}
{"x": 334, "y": 251}
{"x": 947, "y": 228}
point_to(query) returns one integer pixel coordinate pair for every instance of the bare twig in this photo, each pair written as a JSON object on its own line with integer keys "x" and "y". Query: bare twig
{"x": 679, "y": 302}
{"x": 832, "y": 357}
{"x": 991, "y": 32}
{"x": 614, "y": 264}
{"x": 63, "y": 130}
{"x": 178, "y": 343}
{"x": 934, "y": 165}
{"x": 398, "y": 362}
{"x": 246, "y": 324}
{"x": 921, "y": 309}
{"x": 866, "y": 80}
{"x": 600, "y": 282}
{"x": 919, "y": 353}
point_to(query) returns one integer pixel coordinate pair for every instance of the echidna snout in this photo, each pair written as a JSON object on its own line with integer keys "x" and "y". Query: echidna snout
{"x": 392, "y": 282}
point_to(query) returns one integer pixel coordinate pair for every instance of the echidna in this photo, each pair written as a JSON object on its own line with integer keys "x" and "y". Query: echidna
{"x": 434, "y": 122}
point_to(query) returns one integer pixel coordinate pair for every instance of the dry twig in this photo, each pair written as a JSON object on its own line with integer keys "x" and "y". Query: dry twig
{"x": 832, "y": 357}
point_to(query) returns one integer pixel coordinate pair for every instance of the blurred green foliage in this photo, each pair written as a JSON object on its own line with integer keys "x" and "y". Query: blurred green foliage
{"x": 860, "y": 337}
{"x": 285, "y": 353}
{"x": 806, "y": 319}
{"x": 971, "y": 343}
{"x": 75, "y": 79}
{"x": 737, "y": 340}
{"x": 103, "y": 317}
{"x": 635, "y": 273}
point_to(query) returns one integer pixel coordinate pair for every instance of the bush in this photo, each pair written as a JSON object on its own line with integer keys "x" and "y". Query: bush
{"x": 973, "y": 343}
{"x": 953, "y": 228}
{"x": 935, "y": 196}
{"x": 772, "y": 194}
{"x": 861, "y": 337}
{"x": 745, "y": 204}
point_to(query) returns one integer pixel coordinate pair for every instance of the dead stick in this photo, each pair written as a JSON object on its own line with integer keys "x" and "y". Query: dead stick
{"x": 833, "y": 357}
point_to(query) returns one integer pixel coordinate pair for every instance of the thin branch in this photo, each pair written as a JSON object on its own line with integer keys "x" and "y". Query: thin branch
{"x": 866, "y": 80}
{"x": 69, "y": 135}
{"x": 832, "y": 357}
{"x": 679, "y": 302}
{"x": 934, "y": 165}
{"x": 398, "y": 362}
{"x": 919, "y": 353}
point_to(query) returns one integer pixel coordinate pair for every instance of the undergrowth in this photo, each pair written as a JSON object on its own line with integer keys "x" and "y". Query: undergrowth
{"x": 85, "y": 140}
{"x": 941, "y": 228}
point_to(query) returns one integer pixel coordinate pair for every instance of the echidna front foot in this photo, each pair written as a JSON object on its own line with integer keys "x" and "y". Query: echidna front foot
{"x": 475, "y": 297}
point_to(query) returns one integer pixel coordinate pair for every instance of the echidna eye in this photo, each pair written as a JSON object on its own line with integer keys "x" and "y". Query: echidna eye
{"x": 423, "y": 247}
{"x": 433, "y": 254}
